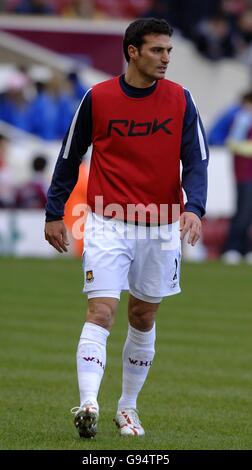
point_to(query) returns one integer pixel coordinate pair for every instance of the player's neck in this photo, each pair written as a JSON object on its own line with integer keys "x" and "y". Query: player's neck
{"x": 136, "y": 80}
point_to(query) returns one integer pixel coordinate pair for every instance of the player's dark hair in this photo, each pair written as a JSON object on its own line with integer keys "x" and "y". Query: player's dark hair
{"x": 134, "y": 34}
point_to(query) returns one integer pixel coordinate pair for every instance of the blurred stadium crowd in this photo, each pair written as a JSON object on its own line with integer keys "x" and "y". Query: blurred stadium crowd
{"x": 40, "y": 102}
{"x": 219, "y": 28}
{"x": 29, "y": 195}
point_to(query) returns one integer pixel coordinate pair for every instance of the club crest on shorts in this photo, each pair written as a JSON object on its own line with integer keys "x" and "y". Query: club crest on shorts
{"x": 89, "y": 276}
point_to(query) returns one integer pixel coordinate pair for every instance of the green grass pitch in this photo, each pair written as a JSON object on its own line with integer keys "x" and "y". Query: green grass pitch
{"x": 199, "y": 391}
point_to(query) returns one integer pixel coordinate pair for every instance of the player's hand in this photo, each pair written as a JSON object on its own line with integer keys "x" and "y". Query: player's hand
{"x": 56, "y": 235}
{"x": 190, "y": 222}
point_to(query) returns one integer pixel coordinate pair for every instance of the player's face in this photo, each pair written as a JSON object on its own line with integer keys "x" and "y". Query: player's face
{"x": 153, "y": 57}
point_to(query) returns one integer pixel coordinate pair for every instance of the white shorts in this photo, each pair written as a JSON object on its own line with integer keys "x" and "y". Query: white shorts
{"x": 120, "y": 256}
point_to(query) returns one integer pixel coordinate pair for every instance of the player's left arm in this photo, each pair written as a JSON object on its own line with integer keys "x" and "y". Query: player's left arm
{"x": 194, "y": 157}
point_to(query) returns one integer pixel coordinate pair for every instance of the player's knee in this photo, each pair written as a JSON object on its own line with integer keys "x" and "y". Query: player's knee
{"x": 101, "y": 313}
{"x": 142, "y": 319}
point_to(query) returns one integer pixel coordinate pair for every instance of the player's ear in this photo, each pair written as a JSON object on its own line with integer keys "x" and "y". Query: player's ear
{"x": 133, "y": 52}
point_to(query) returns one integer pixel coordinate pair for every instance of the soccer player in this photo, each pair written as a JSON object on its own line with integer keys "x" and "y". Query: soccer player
{"x": 141, "y": 127}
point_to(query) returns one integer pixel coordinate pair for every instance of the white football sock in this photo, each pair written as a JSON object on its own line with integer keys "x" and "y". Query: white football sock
{"x": 138, "y": 354}
{"x": 91, "y": 361}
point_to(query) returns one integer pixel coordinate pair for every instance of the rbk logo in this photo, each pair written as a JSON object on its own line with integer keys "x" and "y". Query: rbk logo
{"x": 123, "y": 127}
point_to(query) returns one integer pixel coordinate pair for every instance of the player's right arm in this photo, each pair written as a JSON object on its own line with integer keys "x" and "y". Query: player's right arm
{"x": 65, "y": 176}
{"x": 56, "y": 235}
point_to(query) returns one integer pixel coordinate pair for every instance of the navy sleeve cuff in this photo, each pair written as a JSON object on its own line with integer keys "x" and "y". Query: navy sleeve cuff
{"x": 196, "y": 210}
{"x": 52, "y": 218}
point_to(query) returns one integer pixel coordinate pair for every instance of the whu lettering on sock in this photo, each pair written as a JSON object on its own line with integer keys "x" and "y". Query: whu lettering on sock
{"x": 94, "y": 359}
{"x": 136, "y": 362}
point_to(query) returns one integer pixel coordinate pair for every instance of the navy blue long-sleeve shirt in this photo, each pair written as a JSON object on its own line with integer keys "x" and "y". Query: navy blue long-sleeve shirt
{"x": 194, "y": 154}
